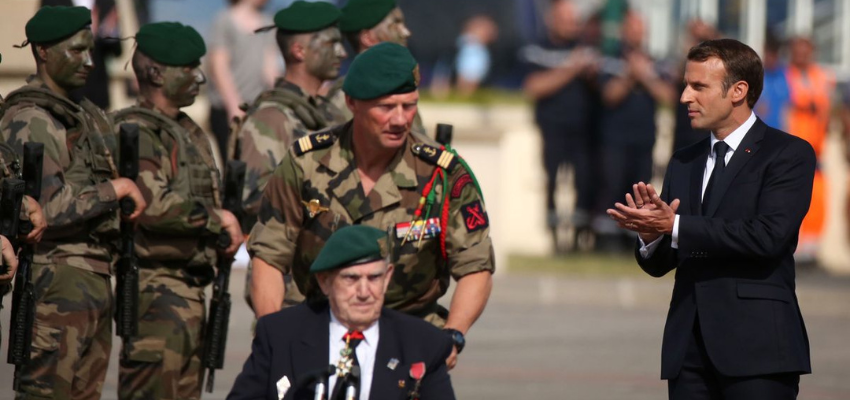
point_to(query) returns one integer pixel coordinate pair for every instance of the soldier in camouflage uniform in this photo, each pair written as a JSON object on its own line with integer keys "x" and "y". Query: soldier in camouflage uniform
{"x": 365, "y": 23}
{"x": 374, "y": 171}
{"x": 72, "y": 334}
{"x": 176, "y": 236}
{"x": 311, "y": 45}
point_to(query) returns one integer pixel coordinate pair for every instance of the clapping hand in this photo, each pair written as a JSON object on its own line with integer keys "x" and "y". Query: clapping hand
{"x": 645, "y": 213}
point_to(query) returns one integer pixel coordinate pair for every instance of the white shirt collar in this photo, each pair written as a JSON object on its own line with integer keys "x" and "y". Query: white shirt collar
{"x": 734, "y": 139}
{"x": 338, "y": 330}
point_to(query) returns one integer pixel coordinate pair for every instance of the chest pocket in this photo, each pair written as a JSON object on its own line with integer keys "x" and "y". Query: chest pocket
{"x": 203, "y": 178}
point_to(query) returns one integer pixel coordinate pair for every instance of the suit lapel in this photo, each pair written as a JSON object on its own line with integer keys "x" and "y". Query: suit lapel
{"x": 310, "y": 353}
{"x": 385, "y": 379}
{"x": 742, "y": 155}
{"x": 697, "y": 174}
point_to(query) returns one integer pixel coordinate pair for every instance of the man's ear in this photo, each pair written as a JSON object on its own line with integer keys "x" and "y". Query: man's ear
{"x": 41, "y": 52}
{"x": 297, "y": 49}
{"x": 155, "y": 75}
{"x": 323, "y": 278}
{"x": 368, "y": 38}
{"x": 349, "y": 102}
{"x": 739, "y": 91}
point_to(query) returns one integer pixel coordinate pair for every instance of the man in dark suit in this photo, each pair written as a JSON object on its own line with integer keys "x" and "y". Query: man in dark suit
{"x": 728, "y": 221}
{"x": 373, "y": 352}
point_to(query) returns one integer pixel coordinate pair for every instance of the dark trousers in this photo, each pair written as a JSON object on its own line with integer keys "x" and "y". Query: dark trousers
{"x": 700, "y": 380}
{"x": 563, "y": 144}
{"x": 220, "y": 126}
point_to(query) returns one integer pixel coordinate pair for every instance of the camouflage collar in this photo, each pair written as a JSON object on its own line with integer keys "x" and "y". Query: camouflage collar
{"x": 284, "y": 84}
{"x": 146, "y": 104}
{"x": 36, "y": 82}
{"x": 341, "y": 155}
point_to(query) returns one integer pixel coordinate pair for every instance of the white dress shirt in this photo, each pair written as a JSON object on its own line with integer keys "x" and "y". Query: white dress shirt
{"x": 733, "y": 140}
{"x": 366, "y": 352}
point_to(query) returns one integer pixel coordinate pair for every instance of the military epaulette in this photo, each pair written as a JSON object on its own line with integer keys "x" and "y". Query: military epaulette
{"x": 439, "y": 157}
{"x": 315, "y": 141}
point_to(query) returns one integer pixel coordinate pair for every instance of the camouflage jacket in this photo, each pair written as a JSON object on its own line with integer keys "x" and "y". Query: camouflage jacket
{"x": 337, "y": 97}
{"x": 278, "y": 117}
{"x": 291, "y": 231}
{"x": 78, "y": 201}
{"x": 180, "y": 182}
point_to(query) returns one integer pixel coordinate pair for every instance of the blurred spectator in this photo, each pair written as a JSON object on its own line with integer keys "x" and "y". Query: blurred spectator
{"x": 557, "y": 83}
{"x": 473, "y": 58}
{"x": 772, "y": 106}
{"x": 808, "y": 117}
{"x": 104, "y": 26}
{"x": 242, "y": 65}
{"x": 683, "y": 134}
{"x": 844, "y": 115}
{"x": 632, "y": 88}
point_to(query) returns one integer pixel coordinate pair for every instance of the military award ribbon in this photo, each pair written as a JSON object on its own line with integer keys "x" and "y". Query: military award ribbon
{"x": 417, "y": 372}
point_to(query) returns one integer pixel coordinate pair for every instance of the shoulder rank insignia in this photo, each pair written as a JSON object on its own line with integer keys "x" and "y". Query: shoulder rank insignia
{"x": 318, "y": 140}
{"x": 442, "y": 158}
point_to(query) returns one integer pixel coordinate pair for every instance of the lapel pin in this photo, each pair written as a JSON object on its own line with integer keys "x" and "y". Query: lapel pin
{"x": 401, "y": 383}
{"x": 393, "y": 363}
{"x": 748, "y": 151}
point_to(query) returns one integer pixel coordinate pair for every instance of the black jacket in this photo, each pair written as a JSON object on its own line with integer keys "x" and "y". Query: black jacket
{"x": 734, "y": 265}
{"x": 294, "y": 343}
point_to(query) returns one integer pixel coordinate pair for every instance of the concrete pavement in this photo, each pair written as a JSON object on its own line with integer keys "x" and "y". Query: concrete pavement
{"x": 561, "y": 337}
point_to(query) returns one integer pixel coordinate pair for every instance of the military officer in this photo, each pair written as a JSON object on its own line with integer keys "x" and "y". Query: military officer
{"x": 311, "y": 45}
{"x": 176, "y": 235}
{"x": 72, "y": 335}
{"x": 374, "y": 171}
{"x": 365, "y": 23}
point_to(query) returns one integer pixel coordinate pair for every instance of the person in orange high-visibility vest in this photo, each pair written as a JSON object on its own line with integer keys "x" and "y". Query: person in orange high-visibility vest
{"x": 808, "y": 117}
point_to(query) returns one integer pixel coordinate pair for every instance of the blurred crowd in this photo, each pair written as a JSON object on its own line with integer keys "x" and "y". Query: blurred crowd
{"x": 596, "y": 92}
{"x": 594, "y": 86}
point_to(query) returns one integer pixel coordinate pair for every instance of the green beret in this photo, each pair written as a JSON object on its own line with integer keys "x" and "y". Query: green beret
{"x": 304, "y": 16}
{"x": 351, "y": 245}
{"x": 51, "y": 23}
{"x": 171, "y": 43}
{"x": 364, "y": 14}
{"x": 384, "y": 69}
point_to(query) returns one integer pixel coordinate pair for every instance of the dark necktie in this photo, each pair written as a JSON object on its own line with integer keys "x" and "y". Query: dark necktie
{"x": 720, "y": 149}
{"x": 352, "y": 339}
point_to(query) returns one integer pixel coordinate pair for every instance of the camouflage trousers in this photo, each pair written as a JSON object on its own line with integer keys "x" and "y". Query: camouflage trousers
{"x": 72, "y": 334}
{"x": 164, "y": 360}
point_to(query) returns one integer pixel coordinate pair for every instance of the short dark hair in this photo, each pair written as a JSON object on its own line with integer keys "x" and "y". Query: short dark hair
{"x": 284, "y": 42}
{"x": 741, "y": 63}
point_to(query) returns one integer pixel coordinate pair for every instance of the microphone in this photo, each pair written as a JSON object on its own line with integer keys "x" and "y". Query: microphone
{"x": 352, "y": 383}
{"x": 321, "y": 378}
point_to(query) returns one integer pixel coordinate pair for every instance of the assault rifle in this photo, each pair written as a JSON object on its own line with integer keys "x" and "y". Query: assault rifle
{"x": 23, "y": 298}
{"x": 127, "y": 285}
{"x": 10, "y": 211}
{"x": 215, "y": 335}
{"x": 444, "y": 134}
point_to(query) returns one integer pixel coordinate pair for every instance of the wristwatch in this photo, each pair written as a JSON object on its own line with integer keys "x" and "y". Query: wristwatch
{"x": 457, "y": 338}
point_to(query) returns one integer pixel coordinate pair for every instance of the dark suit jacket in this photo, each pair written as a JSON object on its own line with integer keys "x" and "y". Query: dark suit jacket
{"x": 294, "y": 343}
{"x": 734, "y": 265}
